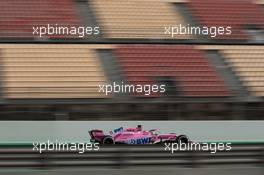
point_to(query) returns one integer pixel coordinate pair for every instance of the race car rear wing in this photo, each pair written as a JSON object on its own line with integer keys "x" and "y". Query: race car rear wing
{"x": 95, "y": 133}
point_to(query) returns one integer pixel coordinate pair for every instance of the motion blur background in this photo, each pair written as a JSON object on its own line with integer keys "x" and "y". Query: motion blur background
{"x": 53, "y": 78}
{"x": 56, "y": 77}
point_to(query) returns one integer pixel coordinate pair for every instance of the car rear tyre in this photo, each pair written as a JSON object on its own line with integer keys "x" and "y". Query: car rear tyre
{"x": 107, "y": 140}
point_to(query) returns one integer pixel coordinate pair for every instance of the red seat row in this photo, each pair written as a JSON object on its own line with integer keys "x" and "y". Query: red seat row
{"x": 234, "y": 13}
{"x": 195, "y": 78}
{"x": 18, "y": 18}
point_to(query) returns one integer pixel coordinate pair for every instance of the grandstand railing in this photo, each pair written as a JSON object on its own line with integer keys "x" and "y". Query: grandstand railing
{"x": 133, "y": 111}
{"x": 129, "y": 156}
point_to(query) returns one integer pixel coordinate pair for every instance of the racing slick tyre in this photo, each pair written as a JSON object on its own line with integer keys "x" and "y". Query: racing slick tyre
{"x": 108, "y": 140}
{"x": 182, "y": 139}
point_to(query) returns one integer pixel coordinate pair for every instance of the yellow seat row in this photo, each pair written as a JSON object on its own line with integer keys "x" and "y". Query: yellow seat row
{"x": 248, "y": 64}
{"x": 49, "y": 71}
{"x": 138, "y": 19}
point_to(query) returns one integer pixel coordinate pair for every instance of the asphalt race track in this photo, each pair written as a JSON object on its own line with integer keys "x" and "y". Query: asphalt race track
{"x": 143, "y": 171}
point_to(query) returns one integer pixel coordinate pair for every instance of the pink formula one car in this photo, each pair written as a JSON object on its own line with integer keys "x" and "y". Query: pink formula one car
{"x": 135, "y": 136}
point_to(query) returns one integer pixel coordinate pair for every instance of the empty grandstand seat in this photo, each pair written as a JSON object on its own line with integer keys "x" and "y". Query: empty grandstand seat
{"x": 237, "y": 14}
{"x": 186, "y": 66}
{"x": 248, "y": 63}
{"x": 50, "y": 71}
{"x": 137, "y": 19}
{"x": 17, "y": 18}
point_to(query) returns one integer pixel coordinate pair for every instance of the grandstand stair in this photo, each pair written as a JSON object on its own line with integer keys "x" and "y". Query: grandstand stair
{"x": 188, "y": 17}
{"x": 224, "y": 70}
{"x": 1, "y": 76}
{"x": 88, "y": 18}
{"x": 111, "y": 67}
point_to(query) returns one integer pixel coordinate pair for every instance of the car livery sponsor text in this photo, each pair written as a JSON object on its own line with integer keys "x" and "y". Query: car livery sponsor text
{"x": 144, "y": 140}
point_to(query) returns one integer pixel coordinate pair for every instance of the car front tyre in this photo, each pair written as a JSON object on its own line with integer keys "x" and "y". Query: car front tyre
{"x": 182, "y": 139}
